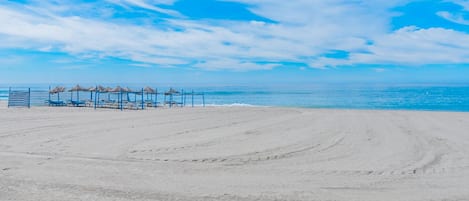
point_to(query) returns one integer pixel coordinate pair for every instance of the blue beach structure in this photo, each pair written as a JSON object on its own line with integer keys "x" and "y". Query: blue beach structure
{"x": 77, "y": 102}
{"x": 151, "y": 96}
{"x": 57, "y": 90}
{"x": 120, "y": 98}
{"x": 170, "y": 97}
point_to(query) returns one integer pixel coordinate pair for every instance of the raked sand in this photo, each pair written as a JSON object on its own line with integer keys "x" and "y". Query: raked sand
{"x": 232, "y": 153}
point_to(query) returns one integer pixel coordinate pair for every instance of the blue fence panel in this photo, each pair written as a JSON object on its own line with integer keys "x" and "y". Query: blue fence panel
{"x": 19, "y": 98}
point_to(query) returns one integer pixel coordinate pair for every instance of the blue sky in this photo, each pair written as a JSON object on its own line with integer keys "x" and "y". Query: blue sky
{"x": 230, "y": 42}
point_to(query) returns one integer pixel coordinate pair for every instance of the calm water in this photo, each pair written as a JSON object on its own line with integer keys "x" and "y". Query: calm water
{"x": 439, "y": 98}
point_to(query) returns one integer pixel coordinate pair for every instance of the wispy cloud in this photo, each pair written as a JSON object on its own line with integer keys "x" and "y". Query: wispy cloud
{"x": 453, "y": 17}
{"x": 149, "y": 5}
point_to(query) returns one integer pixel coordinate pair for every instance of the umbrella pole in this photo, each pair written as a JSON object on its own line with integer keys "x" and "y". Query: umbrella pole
{"x": 122, "y": 97}
{"x": 95, "y": 98}
{"x": 49, "y": 95}
{"x": 182, "y": 98}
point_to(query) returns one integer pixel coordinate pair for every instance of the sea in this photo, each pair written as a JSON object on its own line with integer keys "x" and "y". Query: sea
{"x": 429, "y": 97}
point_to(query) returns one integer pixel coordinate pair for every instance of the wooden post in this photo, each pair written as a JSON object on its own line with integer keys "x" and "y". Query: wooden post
{"x": 182, "y": 97}
{"x": 156, "y": 97}
{"x": 95, "y": 97}
{"x": 49, "y": 96}
{"x": 9, "y": 94}
{"x": 143, "y": 102}
{"x": 203, "y": 99}
{"x": 170, "y": 100}
{"x": 29, "y": 97}
{"x": 119, "y": 99}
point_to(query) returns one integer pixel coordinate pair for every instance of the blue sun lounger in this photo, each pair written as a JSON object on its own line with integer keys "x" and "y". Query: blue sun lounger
{"x": 55, "y": 103}
{"x": 77, "y": 103}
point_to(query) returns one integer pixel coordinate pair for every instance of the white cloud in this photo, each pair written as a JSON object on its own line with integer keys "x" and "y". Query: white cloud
{"x": 456, "y": 18}
{"x": 304, "y": 30}
{"x": 150, "y": 5}
{"x": 414, "y": 46}
{"x": 463, "y": 3}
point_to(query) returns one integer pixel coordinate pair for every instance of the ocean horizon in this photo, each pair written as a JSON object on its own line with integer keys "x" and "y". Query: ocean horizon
{"x": 438, "y": 97}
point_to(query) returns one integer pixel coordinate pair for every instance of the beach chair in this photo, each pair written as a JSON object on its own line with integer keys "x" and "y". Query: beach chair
{"x": 56, "y": 103}
{"x": 77, "y": 103}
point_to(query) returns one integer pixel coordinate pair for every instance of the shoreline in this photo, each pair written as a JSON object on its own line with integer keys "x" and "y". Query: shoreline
{"x": 3, "y": 104}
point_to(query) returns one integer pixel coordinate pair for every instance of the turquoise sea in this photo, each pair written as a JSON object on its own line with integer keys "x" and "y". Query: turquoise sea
{"x": 396, "y": 97}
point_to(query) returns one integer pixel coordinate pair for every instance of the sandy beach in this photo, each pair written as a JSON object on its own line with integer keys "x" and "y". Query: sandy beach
{"x": 232, "y": 153}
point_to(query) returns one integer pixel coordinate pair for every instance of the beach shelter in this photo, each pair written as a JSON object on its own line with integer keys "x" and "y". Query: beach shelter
{"x": 127, "y": 89}
{"x": 92, "y": 90}
{"x": 136, "y": 93}
{"x": 101, "y": 88}
{"x": 119, "y": 90}
{"x": 77, "y": 88}
{"x": 150, "y": 92}
{"x": 57, "y": 90}
{"x": 171, "y": 93}
{"x": 108, "y": 90}
{"x": 98, "y": 91}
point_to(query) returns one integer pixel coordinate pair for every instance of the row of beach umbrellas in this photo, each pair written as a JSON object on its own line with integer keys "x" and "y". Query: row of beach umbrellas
{"x": 60, "y": 89}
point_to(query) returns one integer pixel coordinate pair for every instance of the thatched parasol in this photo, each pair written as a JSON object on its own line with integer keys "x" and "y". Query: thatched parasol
{"x": 78, "y": 88}
{"x": 149, "y": 90}
{"x": 93, "y": 89}
{"x": 57, "y": 89}
{"x": 118, "y": 89}
{"x": 127, "y": 89}
{"x": 171, "y": 91}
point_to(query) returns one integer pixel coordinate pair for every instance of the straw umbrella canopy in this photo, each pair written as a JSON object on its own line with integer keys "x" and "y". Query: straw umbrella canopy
{"x": 127, "y": 89}
{"x": 100, "y": 89}
{"x": 57, "y": 89}
{"x": 108, "y": 89}
{"x": 78, "y": 88}
{"x": 118, "y": 89}
{"x": 149, "y": 90}
{"x": 92, "y": 89}
{"x": 171, "y": 91}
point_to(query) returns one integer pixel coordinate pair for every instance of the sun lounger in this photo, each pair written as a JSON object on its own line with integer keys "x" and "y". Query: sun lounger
{"x": 77, "y": 103}
{"x": 55, "y": 103}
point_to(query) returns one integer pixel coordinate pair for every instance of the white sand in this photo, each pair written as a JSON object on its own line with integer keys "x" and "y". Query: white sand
{"x": 238, "y": 153}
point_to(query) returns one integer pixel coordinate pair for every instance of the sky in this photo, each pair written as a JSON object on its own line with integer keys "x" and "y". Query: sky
{"x": 230, "y": 42}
